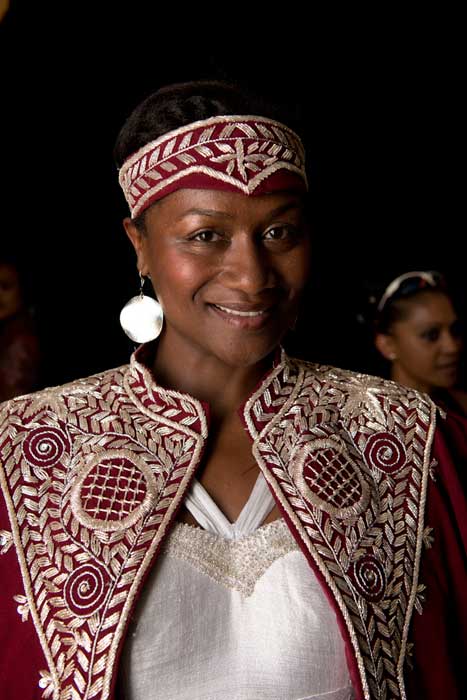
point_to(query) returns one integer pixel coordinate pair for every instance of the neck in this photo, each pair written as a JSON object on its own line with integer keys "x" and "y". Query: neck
{"x": 206, "y": 378}
{"x": 398, "y": 375}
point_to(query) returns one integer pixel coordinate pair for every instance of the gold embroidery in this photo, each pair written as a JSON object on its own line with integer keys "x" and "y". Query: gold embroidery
{"x": 428, "y": 537}
{"x": 115, "y": 489}
{"x": 420, "y": 598}
{"x": 258, "y": 148}
{"x": 23, "y": 607}
{"x": 235, "y": 564}
{"x": 328, "y": 477}
{"x": 6, "y": 540}
{"x": 369, "y": 559}
{"x": 360, "y": 397}
{"x": 61, "y": 450}
{"x": 46, "y": 682}
{"x": 89, "y": 491}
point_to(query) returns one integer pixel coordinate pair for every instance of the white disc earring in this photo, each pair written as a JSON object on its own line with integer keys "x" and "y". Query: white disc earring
{"x": 142, "y": 317}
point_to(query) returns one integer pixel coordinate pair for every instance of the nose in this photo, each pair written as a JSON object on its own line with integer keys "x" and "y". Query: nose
{"x": 247, "y": 267}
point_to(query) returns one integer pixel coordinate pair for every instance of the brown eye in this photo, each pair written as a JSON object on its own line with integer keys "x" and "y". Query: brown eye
{"x": 206, "y": 236}
{"x": 278, "y": 233}
{"x": 431, "y": 335}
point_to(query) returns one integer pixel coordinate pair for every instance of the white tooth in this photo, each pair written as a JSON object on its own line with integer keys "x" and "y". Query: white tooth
{"x": 240, "y": 313}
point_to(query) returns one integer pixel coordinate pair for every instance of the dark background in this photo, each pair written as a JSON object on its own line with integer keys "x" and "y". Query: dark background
{"x": 381, "y": 100}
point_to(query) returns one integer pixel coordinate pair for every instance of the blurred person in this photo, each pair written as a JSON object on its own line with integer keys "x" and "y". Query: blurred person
{"x": 419, "y": 333}
{"x": 19, "y": 343}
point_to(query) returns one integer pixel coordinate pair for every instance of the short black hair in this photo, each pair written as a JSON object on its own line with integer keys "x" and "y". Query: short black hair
{"x": 179, "y": 104}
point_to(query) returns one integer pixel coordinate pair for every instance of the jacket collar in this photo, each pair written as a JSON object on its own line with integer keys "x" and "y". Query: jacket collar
{"x": 274, "y": 389}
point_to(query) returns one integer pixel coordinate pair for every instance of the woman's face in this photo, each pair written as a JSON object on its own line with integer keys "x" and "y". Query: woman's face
{"x": 425, "y": 346}
{"x": 10, "y": 292}
{"x": 228, "y": 270}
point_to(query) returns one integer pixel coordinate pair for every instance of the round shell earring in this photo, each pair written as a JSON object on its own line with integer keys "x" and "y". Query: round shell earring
{"x": 142, "y": 317}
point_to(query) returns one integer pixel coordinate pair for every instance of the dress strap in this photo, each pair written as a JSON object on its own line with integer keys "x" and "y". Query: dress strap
{"x": 209, "y": 516}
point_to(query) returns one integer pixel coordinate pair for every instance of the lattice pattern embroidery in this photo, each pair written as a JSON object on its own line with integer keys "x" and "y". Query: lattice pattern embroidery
{"x": 114, "y": 491}
{"x": 364, "y": 535}
{"x": 329, "y": 478}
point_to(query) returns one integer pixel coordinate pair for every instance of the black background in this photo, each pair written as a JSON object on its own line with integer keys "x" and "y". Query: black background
{"x": 381, "y": 99}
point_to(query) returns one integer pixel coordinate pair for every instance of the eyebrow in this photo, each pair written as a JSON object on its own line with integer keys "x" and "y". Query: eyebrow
{"x": 218, "y": 213}
{"x": 205, "y": 212}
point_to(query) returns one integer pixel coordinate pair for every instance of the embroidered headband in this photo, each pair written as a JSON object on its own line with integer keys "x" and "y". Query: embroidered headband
{"x": 410, "y": 282}
{"x": 248, "y": 154}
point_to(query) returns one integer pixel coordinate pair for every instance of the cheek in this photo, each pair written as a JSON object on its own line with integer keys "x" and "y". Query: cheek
{"x": 175, "y": 277}
{"x": 421, "y": 354}
{"x": 296, "y": 271}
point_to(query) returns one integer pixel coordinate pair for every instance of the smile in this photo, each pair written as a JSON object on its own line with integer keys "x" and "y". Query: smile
{"x": 243, "y": 318}
{"x": 237, "y": 312}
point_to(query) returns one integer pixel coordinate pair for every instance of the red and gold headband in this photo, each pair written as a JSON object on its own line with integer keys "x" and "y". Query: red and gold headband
{"x": 248, "y": 154}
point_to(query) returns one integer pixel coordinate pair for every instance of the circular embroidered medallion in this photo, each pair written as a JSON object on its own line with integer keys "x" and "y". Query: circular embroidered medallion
{"x": 369, "y": 577}
{"x": 328, "y": 478}
{"x": 86, "y": 589}
{"x": 114, "y": 490}
{"x": 385, "y": 452}
{"x": 44, "y": 447}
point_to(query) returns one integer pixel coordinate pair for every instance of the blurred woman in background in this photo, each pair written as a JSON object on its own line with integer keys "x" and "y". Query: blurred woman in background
{"x": 418, "y": 331}
{"x": 19, "y": 344}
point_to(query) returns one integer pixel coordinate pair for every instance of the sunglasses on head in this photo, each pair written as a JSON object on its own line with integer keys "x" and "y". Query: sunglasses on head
{"x": 408, "y": 283}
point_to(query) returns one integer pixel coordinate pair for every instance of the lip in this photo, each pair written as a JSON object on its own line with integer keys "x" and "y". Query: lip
{"x": 450, "y": 370}
{"x": 242, "y": 315}
{"x": 449, "y": 365}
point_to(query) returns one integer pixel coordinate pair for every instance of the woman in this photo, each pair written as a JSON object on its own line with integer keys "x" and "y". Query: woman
{"x": 418, "y": 331}
{"x": 217, "y": 520}
{"x": 19, "y": 343}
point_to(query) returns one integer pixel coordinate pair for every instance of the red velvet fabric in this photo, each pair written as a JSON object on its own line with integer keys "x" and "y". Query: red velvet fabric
{"x": 279, "y": 181}
{"x": 21, "y": 656}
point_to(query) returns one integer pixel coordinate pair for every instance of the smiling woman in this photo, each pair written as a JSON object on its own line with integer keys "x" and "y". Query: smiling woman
{"x": 216, "y": 519}
{"x": 228, "y": 271}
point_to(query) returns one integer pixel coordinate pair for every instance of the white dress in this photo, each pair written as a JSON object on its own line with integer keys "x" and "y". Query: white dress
{"x": 233, "y": 612}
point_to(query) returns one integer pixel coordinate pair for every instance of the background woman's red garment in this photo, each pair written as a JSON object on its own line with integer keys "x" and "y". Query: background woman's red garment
{"x": 439, "y": 634}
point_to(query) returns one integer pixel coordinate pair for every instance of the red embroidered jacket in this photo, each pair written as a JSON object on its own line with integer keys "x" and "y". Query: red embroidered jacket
{"x": 92, "y": 475}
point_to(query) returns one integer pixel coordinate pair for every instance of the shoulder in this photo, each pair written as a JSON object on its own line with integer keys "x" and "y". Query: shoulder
{"x": 348, "y": 383}
{"x": 56, "y": 398}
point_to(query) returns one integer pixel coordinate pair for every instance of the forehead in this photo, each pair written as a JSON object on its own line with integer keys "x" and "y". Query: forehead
{"x": 430, "y": 307}
{"x": 231, "y": 205}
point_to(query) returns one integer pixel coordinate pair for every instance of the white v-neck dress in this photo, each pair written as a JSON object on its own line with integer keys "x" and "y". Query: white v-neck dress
{"x": 232, "y": 611}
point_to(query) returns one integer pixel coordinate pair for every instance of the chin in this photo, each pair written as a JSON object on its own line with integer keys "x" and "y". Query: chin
{"x": 447, "y": 380}
{"x": 247, "y": 354}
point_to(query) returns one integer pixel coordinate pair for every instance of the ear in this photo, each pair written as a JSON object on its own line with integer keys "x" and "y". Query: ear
{"x": 386, "y": 346}
{"x": 139, "y": 244}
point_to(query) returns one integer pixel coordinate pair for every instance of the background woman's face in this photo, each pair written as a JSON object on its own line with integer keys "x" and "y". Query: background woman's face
{"x": 228, "y": 270}
{"x": 10, "y": 292}
{"x": 427, "y": 344}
